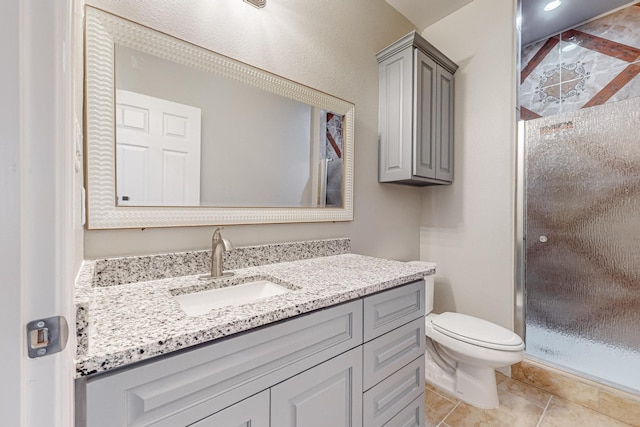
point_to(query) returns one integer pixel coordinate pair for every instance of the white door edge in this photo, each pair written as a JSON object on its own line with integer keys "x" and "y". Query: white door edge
{"x": 47, "y": 251}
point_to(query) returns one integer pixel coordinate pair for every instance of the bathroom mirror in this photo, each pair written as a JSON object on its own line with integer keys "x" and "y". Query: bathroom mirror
{"x": 177, "y": 135}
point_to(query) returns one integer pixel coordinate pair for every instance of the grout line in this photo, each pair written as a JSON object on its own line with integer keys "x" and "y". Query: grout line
{"x": 446, "y": 396}
{"x": 448, "y": 413}
{"x": 545, "y": 411}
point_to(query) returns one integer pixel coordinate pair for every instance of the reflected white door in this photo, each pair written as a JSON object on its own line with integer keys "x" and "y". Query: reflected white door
{"x": 157, "y": 151}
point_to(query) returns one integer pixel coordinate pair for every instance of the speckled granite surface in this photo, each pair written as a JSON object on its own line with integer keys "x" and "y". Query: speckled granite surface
{"x": 117, "y": 271}
{"x": 128, "y": 323}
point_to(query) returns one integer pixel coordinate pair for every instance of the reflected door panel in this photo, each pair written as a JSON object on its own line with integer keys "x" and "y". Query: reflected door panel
{"x": 158, "y": 151}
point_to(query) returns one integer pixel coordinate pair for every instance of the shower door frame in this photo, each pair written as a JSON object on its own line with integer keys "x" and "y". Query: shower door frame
{"x": 520, "y": 223}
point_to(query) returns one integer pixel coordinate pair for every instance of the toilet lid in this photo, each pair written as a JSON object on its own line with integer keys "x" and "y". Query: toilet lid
{"x": 477, "y": 331}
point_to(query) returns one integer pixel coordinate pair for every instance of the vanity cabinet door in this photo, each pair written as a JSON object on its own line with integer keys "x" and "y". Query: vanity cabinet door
{"x": 389, "y": 353}
{"x": 413, "y": 415}
{"x": 251, "y": 412}
{"x": 329, "y": 394}
{"x": 389, "y": 397}
{"x": 388, "y": 310}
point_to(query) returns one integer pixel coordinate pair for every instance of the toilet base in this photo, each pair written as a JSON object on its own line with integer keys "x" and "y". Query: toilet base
{"x": 471, "y": 384}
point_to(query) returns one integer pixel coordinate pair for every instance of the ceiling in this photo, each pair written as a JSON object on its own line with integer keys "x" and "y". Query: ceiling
{"x": 536, "y": 23}
{"x": 423, "y": 13}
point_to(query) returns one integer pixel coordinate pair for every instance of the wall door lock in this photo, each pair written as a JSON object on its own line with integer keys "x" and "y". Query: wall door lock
{"x": 47, "y": 336}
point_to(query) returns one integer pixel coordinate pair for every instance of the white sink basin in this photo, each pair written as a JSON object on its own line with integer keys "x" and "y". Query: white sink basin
{"x": 198, "y": 303}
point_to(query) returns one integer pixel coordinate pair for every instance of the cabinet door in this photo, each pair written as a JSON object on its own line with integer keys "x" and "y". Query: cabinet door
{"x": 390, "y": 352}
{"x": 411, "y": 416}
{"x": 395, "y": 105}
{"x": 424, "y": 120}
{"x": 251, "y": 412}
{"x": 388, "y": 310}
{"x": 329, "y": 394}
{"x": 444, "y": 128}
{"x": 382, "y": 402}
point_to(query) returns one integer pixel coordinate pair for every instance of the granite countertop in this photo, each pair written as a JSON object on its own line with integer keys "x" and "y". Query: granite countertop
{"x": 119, "y": 325}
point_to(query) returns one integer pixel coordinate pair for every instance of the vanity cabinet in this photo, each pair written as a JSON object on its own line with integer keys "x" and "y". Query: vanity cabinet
{"x": 360, "y": 363}
{"x": 393, "y": 362}
{"x": 416, "y": 114}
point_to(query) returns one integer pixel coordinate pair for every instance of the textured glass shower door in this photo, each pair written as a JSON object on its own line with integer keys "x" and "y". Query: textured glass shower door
{"x": 582, "y": 242}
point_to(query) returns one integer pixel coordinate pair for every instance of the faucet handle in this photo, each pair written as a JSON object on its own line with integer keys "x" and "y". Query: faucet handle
{"x": 217, "y": 234}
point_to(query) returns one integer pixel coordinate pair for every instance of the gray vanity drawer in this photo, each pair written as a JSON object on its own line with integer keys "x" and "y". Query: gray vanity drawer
{"x": 393, "y": 350}
{"x": 388, "y": 398}
{"x": 411, "y": 416}
{"x": 387, "y": 310}
{"x": 185, "y": 388}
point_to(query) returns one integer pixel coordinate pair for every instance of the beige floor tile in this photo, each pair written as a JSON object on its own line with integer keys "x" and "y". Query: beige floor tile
{"x": 556, "y": 384}
{"x": 562, "y": 413}
{"x": 533, "y": 394}
{"x": 437, "y": 407}
{"x": 514, "y": 411}
{"x": 431, "y": 387}
{"x": 501, "y": 378}
{"x": 618, "y": 407}
{"x": 441, "y": 392}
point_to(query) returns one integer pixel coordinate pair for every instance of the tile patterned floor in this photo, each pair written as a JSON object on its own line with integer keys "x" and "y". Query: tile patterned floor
{"x": 521, "y": 405}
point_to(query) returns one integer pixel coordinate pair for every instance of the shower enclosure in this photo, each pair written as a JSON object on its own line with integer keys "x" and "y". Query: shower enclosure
{"x": 582, "y": 242}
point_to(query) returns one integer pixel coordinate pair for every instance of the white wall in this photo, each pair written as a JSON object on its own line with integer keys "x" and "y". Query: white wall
{"x": 329, "y": 46}
{"x": 468, "y": 228}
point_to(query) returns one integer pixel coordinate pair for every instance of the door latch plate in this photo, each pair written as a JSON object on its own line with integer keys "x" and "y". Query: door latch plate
{"x": 47, "y": 336}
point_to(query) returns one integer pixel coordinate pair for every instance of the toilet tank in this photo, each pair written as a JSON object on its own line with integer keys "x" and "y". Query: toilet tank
{"x": 429, "y": 286}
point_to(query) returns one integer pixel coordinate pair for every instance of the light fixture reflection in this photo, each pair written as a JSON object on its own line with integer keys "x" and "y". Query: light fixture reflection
{"x": 257, "y": 3}
{"x": 552, "y": 5}
{"x": 572, "y": 43}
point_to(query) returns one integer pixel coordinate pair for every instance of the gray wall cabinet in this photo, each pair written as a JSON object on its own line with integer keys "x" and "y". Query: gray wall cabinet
{"x": 356, "y": 364}
{"x": 416, "y": 115}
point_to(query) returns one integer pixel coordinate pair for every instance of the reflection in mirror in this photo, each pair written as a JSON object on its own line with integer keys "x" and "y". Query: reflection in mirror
{"x": 187, "y": 137}
{"x": 179, "y": 135}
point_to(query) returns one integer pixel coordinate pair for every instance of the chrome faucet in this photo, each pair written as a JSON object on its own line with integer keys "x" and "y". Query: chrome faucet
{"x": 218, "y": 247}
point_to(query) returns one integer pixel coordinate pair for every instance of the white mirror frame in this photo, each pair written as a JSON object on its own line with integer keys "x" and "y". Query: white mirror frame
{"x": 102, "y": 32}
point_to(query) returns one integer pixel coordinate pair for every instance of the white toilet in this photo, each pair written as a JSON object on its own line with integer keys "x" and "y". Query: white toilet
{"x": 464, "y": 351}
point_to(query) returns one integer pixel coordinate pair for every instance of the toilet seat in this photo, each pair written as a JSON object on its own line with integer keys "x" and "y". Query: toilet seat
{"x": 477, "y": 332}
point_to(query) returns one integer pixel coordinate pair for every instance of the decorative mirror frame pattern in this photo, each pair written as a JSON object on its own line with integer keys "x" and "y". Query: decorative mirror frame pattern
{"x": 103, "y": 31}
